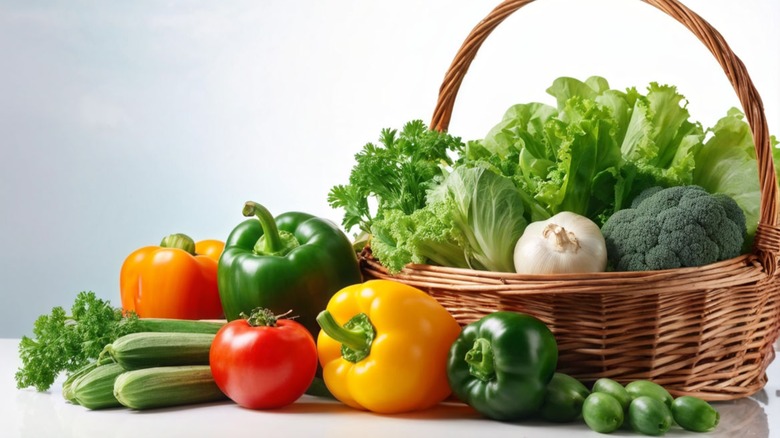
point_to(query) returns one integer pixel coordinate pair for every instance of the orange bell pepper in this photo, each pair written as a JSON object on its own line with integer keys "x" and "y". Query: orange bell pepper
{"x": 390, "y": 355}
{"x": 177, "y": 279}
{"x": 210, "y": 247}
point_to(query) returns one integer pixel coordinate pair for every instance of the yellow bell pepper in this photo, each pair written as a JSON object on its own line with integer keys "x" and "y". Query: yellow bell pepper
{"x": 390, "y": 354}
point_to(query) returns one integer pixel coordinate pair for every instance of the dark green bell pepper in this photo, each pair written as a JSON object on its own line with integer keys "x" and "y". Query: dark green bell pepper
{"x": 294, "y": 263}
{"x": 501, "y": 364}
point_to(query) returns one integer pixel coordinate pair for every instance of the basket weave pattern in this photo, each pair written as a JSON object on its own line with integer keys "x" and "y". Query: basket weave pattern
{"x": 706, "y": 331}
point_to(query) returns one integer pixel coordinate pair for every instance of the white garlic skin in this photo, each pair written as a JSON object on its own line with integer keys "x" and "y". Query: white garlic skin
{"x": 544, "y": 247}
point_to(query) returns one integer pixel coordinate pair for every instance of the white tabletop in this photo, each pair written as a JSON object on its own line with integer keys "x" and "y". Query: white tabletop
{"x": 27, "y": 413}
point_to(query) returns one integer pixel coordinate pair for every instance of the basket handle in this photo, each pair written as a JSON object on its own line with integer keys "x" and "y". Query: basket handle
{"x": 767, "y": 241}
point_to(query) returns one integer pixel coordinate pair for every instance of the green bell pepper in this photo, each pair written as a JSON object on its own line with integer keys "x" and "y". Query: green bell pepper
{"x": 293, "y": 263}
{"x": 501, "y": 364}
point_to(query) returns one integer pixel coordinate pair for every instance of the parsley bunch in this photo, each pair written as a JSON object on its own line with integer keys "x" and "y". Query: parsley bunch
{"x": 394, "y": 174}
{"x": 66, "y": 342}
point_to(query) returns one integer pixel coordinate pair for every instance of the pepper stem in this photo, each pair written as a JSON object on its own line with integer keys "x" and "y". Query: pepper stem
{"x": 180, "y": 241}
{"x": 355, "y": 336}
{"x": 480, "y": 360}
{"x": 563, "y": 240}
{"x": 273, "y": 241}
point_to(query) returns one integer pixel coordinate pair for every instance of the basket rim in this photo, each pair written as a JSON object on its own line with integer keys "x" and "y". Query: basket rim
{"x": 745, "y": 269}
{"x": 745, "y": 259}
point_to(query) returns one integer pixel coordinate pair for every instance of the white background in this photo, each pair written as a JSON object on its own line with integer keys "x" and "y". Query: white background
{"x": 122, "y": 122}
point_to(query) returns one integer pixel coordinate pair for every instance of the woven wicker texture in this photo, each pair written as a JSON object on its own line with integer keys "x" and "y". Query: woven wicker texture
{"x": 705, "y": 331}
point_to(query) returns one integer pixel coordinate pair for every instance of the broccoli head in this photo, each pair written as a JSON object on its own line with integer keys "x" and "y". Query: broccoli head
{"x": 674, "y": 227}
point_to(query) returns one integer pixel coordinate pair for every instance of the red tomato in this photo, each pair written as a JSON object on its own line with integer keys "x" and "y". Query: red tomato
{"x": 263, "y": 366}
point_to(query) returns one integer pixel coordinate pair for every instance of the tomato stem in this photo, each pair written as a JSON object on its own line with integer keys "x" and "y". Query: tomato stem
{"x": 260, "y": 317}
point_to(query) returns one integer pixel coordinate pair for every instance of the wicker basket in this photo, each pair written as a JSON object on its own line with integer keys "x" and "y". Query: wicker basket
{"x": 705, "y": 331}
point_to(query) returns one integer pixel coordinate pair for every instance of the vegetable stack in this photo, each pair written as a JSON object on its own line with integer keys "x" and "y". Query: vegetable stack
{"x": 148, "y": 370}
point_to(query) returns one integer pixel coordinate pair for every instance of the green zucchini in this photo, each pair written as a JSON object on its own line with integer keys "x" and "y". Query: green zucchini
{"x": 95, "y": 389}
{"x": 171, "y": 325}
{"x": 151, "y": 349}
{"x": 69, "y": 383}
{"x": 159, "y": 387}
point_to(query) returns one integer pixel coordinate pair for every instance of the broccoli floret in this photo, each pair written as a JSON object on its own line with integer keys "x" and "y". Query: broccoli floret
{"x": 674, "y": 227}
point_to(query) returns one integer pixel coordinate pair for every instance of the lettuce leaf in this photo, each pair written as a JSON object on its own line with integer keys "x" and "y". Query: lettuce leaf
{"x": 427, "y": 235}
{"x": 471, "y": 220}
{"x": 489, "y": 213}
{"x": 727, "y": 164}
{"x": 660, "y": 140}
{"x": 586, "y": 160}
{"x": 597, "y": 149}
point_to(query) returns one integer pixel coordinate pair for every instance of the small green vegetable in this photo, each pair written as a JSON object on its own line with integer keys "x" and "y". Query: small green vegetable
{"x": 639, "y": 388}
{"x": 166, "y": 386}
{"x": 69, "y": 384}
{"x": 170, "y": 325}
{"x": 649, "y": 416}
{"x": 695, "y": 414}
{"x": 602, "y": 412}
{"x": 95, "y": 389}
{"x": 563, "y": 399}
{"x": 613, "y": 388}
{"x": 147, "y": 349}
{"x": 676, "y": 227}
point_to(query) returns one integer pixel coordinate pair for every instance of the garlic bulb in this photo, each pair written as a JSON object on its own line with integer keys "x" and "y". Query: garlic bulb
{"x": 564, "y": 243}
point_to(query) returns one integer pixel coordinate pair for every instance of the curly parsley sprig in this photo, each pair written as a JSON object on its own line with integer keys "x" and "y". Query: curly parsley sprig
{"x": 395, "y": 173}
{"x": 66, "y": 342}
